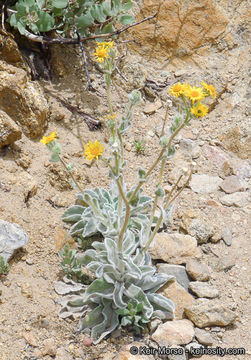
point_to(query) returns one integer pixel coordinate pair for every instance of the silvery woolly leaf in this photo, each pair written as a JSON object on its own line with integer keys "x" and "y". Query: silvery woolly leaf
{"x": 153, "y": 283}
{"x": 109, "y": 324}
{"x": 134, "y": 292}
{"x": 73, "y": 213}
{"x": 62, "y": 289}
{"x": 118, "y": 295}
{"x": 112, "y": 251}
{"x": 89, "y": 256}
{"x": 90, "y": 228}
{"x": 162, "y": 303}
{"x": 129, "y": 243}
{"x": 132, "y": 268}
{"x": 98, "y": 245}
{"x": 78, "y": 228}
{"x": 100, "y": 287}
{"x": 93, "y": 266}
{"x": 92, "y": 318}
{"x": 147, "y": 270}
{"x": 139, "y": 258}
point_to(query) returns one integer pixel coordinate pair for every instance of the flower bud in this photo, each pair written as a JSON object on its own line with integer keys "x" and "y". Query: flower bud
{"x": 134, "y": 97}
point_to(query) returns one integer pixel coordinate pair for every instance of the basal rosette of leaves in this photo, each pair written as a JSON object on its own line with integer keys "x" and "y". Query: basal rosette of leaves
{"x": 124, "y": 292}
{"x": 70, "y": 17}
{"x": 96, "y": 211}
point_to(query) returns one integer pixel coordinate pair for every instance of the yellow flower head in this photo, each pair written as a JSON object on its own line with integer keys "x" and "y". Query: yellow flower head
{"x": 199, "y": 110}
{"x": 176, "y": 89}
{"x": 179, "y": 89}
{"x": 102, "y": 51}
{"x": 101, "y": 54}
{"x": 185, "y": 87}
{"x": 111, "y": 117}
{"x": 93, "y": 150}
{"x": 209, "y": 89}
{"x": 109, "y": 44}
{"x": 48, "y": 139}
{"x": 195, "y": 93}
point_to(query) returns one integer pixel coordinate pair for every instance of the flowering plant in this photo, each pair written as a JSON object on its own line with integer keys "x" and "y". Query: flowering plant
{"x": 124, "y": 290}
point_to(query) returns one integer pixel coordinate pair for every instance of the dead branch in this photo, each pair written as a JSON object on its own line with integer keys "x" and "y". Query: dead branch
{"x": 68, "y": 41}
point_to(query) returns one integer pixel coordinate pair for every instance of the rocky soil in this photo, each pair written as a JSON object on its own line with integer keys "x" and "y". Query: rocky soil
{"x": 207, "y": 247}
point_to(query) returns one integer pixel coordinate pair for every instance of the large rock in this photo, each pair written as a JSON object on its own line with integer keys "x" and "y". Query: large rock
{"x": 23, "y": 100}
{"x": 205, "y": 184}
{"x": 174, "y": 248}
{"x": 206, "y": 312}
{"x": 9, "y": 51}
{"x": 176, "y": 332}
{"x": 203, "y": 290}
{"x": 179, "y": 28}
{"x": 178, "y": 271}
{"x": 201, "y": 230}
{"x": 12, "y": 237}
{"x": 180, "y": 297}
{"x": 203, "y": 337}
{"x": 9, "y": 131}
{"x": 232, "y": 184}
{"x": 238, "y": 199}
{"x": 197, "y": 270}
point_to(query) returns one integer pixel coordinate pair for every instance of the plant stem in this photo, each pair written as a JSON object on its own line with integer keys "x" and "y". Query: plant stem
{"x": 71, "y": 175}
{"x": 127, "y": 216}
{"x": 166, "y": 207}
{"x": 178, "y": 193}
{"x": 173, "y": 188}
{"x": 155, "y": 200}
{"x": 156, "y": 161}
{"x": 108, "y": 83}
{"x": 153, "y": 234}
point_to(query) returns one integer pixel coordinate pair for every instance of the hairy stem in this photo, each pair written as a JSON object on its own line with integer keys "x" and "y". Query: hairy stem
{"x": 127, "y": 216}
{"x": 71, "y": 175}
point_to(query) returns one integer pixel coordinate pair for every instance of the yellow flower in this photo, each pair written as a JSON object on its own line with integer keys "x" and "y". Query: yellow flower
{"x": 176, "y": 89}
{"x": 111, "y": 117}
{"x": 109, "y": 44}
{"x": 195, "y": 93}
{"x": 93, "y": 150}
{"x": 185, "y": 87}
{"x": 101, "y": 53}
{"x": 48, "y": 139}
{"x": 209, "y": 89}
{"x": 179, "y": 89}
{"x": 199, "y": 110}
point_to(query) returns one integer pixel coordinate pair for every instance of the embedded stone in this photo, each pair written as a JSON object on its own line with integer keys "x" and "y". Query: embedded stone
{"x": 180, "y": 297}
{"x": 205, "y": 184}
{"x": 232, "y": 184}
{"x": 174, "y": 248}
{"x": 176, "y": 332}
{"x": 9, "y": 131}
{"x": 178, "y": 271}
{"x": 206, "y": 312}
{"x": 12, "y": 237}
{"x": 23, "y": 100}
{"x": 203, "y": 290}
{"x": 237, "y": 199}
{"x": 203, "y": 336}
{"x": 197, "y": 270}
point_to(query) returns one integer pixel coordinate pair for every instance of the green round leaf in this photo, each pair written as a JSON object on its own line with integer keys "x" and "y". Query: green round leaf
{"x": 59, "y": 4}
{"x": 126, "y": 19}
{"x": 84, "y": 21}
